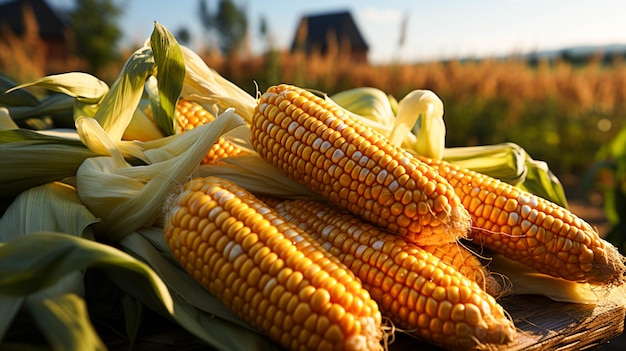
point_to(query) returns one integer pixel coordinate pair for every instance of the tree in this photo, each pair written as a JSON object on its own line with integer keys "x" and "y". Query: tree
{"x": 229, "y": 21}
{"x": 183, "y": 36}
{"x": 96, "y": 31}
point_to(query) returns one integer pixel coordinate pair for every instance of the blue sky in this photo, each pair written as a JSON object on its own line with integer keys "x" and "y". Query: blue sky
{"x": 435, "y": 30}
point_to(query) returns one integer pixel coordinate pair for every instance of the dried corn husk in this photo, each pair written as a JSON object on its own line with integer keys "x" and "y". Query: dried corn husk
{"x": 129, "y": 197}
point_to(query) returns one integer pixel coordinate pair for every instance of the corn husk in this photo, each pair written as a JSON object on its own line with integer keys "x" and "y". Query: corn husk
{"x": 370, "y": 103}
{"x": 31, "y": 158}
{"x": 141, "y": 126}
{"x": 22, "y": 273}
{"x": 510, "y": 163}
{"x": 522, "y": 280}
{"x": 195, "y": 309}
{"x": 416, "y": 123}
{"x": 128, "y": 197}
{"x": 504, "y": 161}
{"x": 81, "y": 94}
{"x": 419, "y": 124}
{"x": 6, "y": 122}
{"x": 117, "y": 107}
{"x": 257, "y": 176}
{"x": 205, "y": 85}
{"x": 16, "y": 98}
{"x": 50, "y": 220}
{"x": 171, "y": 70}
{"x": 54, "y": 206}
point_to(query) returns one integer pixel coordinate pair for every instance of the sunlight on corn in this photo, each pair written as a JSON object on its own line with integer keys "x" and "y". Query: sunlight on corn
{"x": 242, "y": 248}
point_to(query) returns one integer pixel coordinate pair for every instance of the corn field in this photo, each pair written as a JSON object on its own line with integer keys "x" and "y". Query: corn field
{"x": 559, "y": 112}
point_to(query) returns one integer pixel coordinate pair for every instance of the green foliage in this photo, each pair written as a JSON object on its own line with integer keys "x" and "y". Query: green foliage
{"x": 229, "y": 21}
{"x": 96, "y": 31}
{"x": 609, "y": 174}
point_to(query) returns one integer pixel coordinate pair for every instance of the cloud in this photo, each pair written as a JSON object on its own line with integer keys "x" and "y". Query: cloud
{"x": 374, "y": 15}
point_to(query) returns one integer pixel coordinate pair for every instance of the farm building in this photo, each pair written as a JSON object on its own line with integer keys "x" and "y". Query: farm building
{"x": 323, "y": 33}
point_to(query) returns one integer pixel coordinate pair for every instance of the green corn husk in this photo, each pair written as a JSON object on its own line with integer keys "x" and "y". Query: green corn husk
{"x": 128, "y": 197}
{"x": 22, "y": 273}
{"x": 79, "y": 95}
{"x": 195, "y": 309}
{"x": 370, "y": 103}
{"x": 510, "y": 163}
{"x": 16, "y": 98}
{"x": 171, "y": 70}
{"x": 53, "y": 206}
{"x": 30, "y": 158}
{"x": 204, "y": 85}
{"x": 415, "y": 123}
{"x": 419, "y": 124}
{"x": 45, "y": 246}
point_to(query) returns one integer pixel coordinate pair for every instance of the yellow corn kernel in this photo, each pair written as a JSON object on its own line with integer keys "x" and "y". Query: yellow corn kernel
{"x": 250, "y": 252}
{"x": 415, "y": 289}
{"x": 533, "y": 230}
{"x": 189, "y": 115}
{"x": 355, "y": 167}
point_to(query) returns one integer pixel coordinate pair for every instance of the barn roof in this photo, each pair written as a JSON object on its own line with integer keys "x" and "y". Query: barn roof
{"x": 318, "y": 26}
{"x": 12, "y": 16}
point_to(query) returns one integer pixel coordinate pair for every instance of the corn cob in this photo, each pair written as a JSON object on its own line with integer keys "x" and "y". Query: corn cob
{"x": 190, "y": 114}
{"x": 467, "y": 263}
{"x": 533, "y": 230}
{"x": 355, "y": 167}
{"x": 415, "y": 289}
{"x": 272, "y": 275}
{"x": 313, "y": 216}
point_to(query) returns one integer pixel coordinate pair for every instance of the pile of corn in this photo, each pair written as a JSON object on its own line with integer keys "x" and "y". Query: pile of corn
{"x": 320, "y": 223}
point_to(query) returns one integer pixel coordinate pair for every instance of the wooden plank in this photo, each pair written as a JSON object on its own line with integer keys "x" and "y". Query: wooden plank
{"x": 547, "y": 325}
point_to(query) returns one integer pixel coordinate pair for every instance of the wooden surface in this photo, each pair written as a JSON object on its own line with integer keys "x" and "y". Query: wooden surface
{"x": 547, "y": 325}
{"x": 542, "y": 325}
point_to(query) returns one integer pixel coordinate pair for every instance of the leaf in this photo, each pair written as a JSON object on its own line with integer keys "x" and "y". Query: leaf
{"x": 30, "y": 159}
{"x": 195, "y": 309}
{"x": 118, "y": 105}
{"x": 142, "y": 127}
{"x": 127, "y": 198}
{"x": 505, "y": 161}
{"x": 51, "y": 207}
{"x": 58, "y": 254}
{"x": 6, "y": 122}
{"x": 19, "y": 97}
{"x": 367, "y": 102}
{"x": 256, "y": 175}
{"x": 543, "y": 183}
{"x": 170, "y": 75}
{"x": 93, "y": 136}
{"x": 206, "y": 85}
{"x": 9, "y": 305}
{"x": 76, "y": 84}
{"x": 55, "y": 104}
{"x": 65, "y": 323}
{"x": 420, "y": 113}
{"x": 133, "y": 313}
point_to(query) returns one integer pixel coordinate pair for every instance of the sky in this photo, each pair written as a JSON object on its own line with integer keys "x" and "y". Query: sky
{"x": 435, "y": 29}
